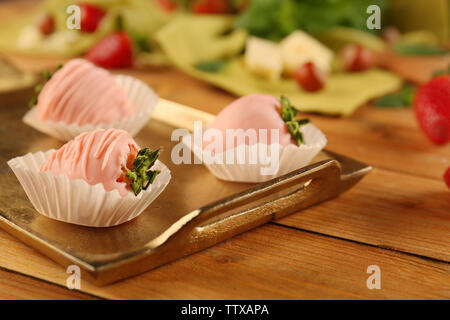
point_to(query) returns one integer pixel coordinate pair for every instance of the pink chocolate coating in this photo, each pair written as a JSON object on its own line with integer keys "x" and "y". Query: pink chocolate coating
{"x": 256, "y": 111}
{"x": 81, "y": 93}
{"x": 96, "y": 157}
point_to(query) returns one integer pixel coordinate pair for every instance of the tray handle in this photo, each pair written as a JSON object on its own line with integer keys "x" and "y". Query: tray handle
{"x": 272, "y": 200}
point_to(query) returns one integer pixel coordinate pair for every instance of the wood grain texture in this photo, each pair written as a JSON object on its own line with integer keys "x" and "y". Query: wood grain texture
{"x": 271, "y": 262}
{"x": 384, "y": 142}
{"x": 14, "y": 286}
{"x": 386, "y": 209}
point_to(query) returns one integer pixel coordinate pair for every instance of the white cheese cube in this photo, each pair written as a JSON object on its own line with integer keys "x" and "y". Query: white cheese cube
{"x": 263, "y": 57}
{"x": 29, "y": 37}
{"x": 299, "y": 48}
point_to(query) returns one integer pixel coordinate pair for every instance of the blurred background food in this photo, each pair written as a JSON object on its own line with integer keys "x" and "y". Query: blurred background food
{"x": 321, "y": 53}
{"x": 11, "y": 78}
{"x": 380, "y": 96}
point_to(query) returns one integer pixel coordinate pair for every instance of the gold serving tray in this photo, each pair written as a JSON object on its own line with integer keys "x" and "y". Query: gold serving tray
{"x": 195, "y": 211}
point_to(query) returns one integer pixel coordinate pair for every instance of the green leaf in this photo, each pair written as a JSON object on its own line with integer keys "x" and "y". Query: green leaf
{"x": 47, "y": 75}
{"x": 33, "y": 101}
{"x": 119, "y": 24}
{"x": 418, "y": 49}
{"x": 211, "y": 66}
{"x": 38, "y": 88}
{"x": 302, "y": 122}
{"x": 140, "y": 175}
{"x": 275, "y": 19}
{"x": 140, "y": 41}
{"x": 403, "y": 98}
{"x": 288, "y": 113}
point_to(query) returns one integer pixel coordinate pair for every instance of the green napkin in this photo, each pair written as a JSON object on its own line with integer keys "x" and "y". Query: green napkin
{"x": 188, "y": 40}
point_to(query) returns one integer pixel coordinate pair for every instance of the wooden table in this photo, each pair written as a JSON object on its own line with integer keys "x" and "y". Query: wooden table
{"x": 397, "y": 218}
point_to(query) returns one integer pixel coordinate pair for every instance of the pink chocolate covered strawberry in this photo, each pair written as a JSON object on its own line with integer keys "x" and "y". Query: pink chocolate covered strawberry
{"x": 257, "y": 138}
{"x": 110, "y": 157}
{"x": 99, "y": 179}
{"x": 83, "y": 94}
{"x": 257, "y": 111}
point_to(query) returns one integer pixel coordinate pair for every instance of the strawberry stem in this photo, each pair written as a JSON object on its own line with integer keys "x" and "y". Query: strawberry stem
{"x": 140, "y": 174}
{"x": 288, "y": 113}
{"x": 38, "y": 88}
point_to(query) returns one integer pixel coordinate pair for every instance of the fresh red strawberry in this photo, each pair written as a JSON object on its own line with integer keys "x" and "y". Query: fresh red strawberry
{"x": 113, "y": 51}
{"x": 447, "y": 177}
{"x": 356, "y": 58}
{"x": 90, "y": 17}
{"x": 310, "y": 78}
{"x": 432, "y": 107}
{"x": 46, "y": 24}
{"x": 167, "y": 5}
{"x": 210, "y": 6}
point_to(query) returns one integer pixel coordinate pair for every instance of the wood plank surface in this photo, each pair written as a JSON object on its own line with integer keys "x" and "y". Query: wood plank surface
{"x": 386, "y": 209}
{"x": 271, "y": 262}
{"x": 385, "y": 144}
{"x": 398, "y": 217}
{"x": 16, "y": 286}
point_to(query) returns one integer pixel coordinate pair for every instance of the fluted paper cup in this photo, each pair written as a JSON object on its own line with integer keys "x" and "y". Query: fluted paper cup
{"x": 140, "y": 95}
{"x": 288, "y": 158}
{"x": 75, "y": 201}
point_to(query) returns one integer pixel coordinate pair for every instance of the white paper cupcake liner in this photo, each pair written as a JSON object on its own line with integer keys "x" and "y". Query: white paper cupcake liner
{"x": 289, "y": 158}
{"x": 141, "y": 96}
{"x": 75, "y": 201}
